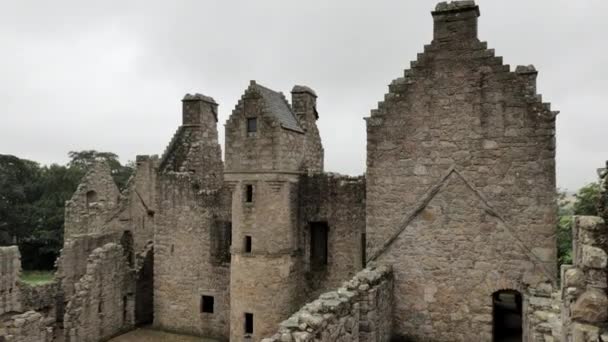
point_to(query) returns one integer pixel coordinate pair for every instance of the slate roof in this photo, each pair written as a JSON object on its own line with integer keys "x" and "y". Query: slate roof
{"x": 278, "y": 106}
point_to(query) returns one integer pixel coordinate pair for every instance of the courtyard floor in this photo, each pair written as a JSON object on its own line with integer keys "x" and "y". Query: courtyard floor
{"x": 149, "y": 335}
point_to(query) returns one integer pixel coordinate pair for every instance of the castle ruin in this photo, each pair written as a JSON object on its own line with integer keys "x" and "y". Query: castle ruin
{"x": 449, "y": 235}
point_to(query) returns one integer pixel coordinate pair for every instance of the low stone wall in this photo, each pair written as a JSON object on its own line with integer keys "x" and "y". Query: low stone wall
{"x": 26, "y": 327}
{"x": 103, "y": 303}
{"x": 360, "y": 310}
{"x": 39, "y": 297}
{"x": 10, "y": 269}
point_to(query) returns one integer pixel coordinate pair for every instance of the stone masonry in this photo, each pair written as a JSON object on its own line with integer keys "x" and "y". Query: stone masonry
{"x": 450, "y": 230}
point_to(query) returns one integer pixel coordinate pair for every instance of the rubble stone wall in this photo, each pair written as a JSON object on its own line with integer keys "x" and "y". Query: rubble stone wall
{"x": 41, "y": 297}
{"x": 358, "y": 311}
{"x": 103, "y": 303}
{"x": 10, "y": 270}
{"x": 340, "y": 202}
{"x": 584, "y": 288}
{"x": 73, "y": 260}
{"x": 26, "y": 327}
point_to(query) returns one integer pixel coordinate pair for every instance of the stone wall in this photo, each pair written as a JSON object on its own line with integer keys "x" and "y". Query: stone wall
{"x": 41, "y": 297}
{"x": 103, "y": 303}
{"x": 585, "y": 303}
{"x": 338, "y": 201}
{"x": 184, "y": 267}
{"x": 26, "y": 327}
{"x": 137, "y": 205}
{"x": 73, "y": 259}
{"x": 265, "y": 281}
{"x": 93, "y": 203}
{"x": 460, "y": 183}
{"x": 360, "y": 310}
{"x": 10, "y": 270}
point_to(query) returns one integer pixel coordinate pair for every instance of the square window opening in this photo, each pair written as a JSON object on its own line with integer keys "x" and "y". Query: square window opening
{"x": 248, "y": 323}
{"x": 247, "y": 244}
{"x": 252, "y": 125}
{"x": 207, "y": 303}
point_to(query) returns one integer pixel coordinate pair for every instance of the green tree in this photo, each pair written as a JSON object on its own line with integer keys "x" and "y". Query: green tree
{"x": 564, "y": 230}
{"x": 584, "y": 203}
{"x": 587, "y": 199}
{"x": 19, "y": 189}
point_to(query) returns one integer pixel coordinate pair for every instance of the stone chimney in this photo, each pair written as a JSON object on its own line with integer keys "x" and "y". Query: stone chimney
{"x": 198, "y": 109}
{"x": 455, "y": 21}
{"x": 304, "y": 104}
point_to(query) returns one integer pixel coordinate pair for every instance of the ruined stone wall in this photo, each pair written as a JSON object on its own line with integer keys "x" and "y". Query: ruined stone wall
{"x": 340, "y": 202}
{"x": 40, "y": 297}
{"x": 359, "y": 311}
{"x": 584, "y": 287}
{"x": 460, "y": 183}
{"x": 103, "y": 303}
{"x": 184, "y": 269}
{"x": 26, "y": 327}
{"x": 137, "y": 204}
{"x": 10, "y": 270}
{"x": 73, "y": 259}
{"x": 93, "y": 203}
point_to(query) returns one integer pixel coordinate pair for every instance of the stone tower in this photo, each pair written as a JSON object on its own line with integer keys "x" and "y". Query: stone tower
{"x": 460, "y": 183}
{"x": 265, "y": 155}
{"x": 190, "y": 285}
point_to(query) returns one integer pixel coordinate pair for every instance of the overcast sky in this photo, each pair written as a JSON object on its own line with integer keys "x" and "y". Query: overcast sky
{"x": 109, "y": 75}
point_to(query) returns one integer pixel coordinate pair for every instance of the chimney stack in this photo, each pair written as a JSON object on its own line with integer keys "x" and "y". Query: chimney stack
{"x": 304, "y": 104}
{"x": 198, "y": 109}
{"x": 455, "y": 21}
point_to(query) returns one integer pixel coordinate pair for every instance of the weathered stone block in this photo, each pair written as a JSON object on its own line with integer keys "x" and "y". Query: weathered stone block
{"x": 594, "y": 257}
{"x": 591, "y": 307}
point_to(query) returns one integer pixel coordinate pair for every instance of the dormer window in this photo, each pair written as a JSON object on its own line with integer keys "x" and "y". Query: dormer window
{"x": 252, "y": 126}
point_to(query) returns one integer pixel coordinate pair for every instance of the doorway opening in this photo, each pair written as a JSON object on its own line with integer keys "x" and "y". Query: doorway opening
{"x": 507, "y": 316}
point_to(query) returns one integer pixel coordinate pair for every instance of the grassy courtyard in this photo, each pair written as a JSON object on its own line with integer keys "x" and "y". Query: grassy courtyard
{"x": 37, "y": 277}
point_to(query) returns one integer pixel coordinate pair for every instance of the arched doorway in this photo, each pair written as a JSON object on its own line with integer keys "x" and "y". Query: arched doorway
{"x": 507, "y": 316}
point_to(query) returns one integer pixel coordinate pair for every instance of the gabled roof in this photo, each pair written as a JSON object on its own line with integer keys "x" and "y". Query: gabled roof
{"x": 278, "y": 106}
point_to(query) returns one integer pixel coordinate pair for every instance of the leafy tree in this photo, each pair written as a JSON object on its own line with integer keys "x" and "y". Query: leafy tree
{"x": 584, "y": 203}
{"x": 587, "y": 199}
{"x": 564, "y": 230}
{"x": 19, "y": 189}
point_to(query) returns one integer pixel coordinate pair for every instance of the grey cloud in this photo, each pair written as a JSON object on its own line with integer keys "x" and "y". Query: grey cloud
{"x": 109, "y": 75}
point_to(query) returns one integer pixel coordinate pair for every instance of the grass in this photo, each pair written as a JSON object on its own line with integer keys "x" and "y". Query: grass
{"x": 37, "y": 277}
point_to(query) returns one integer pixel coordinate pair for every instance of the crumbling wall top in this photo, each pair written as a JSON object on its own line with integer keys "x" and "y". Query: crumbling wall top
{"x": 455, "y": 6}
